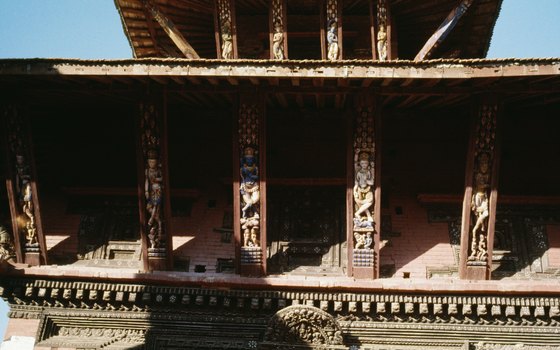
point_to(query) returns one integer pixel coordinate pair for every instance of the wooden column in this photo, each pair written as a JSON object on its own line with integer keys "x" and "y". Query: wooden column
{"x": 278, "y": 33}
{"x": 364, "y": 190}
{"x": 249, "y": 185}
{"x": 481, "y": 193}
{"x": 225, "y": 29}
{"x": 22, "y": 188}
{"x": 153, "y": 183}
{"x": 331, "y": 40}
{"x": 383, "y": 33}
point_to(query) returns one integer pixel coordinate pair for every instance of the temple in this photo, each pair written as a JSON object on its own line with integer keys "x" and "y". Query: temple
{"x": 331, "y": 174}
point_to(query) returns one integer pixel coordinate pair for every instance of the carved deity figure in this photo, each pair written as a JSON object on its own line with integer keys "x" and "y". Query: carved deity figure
{"x": 479, "y": 207}
{"x": 278, "y": 43}
{"x": 249, "y": 181}
{"x": 227, "y": 42}
{"x": 382, "y": 43}
{"x": 250, "y": 228}
{"x": 23, "y": 187}
{"x": 6, "y": 246}
{"x": 153, "y": 190}
{"x": 363, "y": 194}
{"x": 332, "y": 40}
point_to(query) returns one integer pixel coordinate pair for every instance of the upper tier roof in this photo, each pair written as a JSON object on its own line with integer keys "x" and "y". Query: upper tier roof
{"x": 415, "y": 20}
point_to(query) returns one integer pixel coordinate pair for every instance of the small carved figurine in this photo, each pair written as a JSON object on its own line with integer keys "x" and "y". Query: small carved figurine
{"x": 6, "y": 248}
{"x": 278, "y": 43}
{"x": 382, "y": 43}
{"x": 332, "y": 40}
{"x": 227, "y": 42}
{"x": 360, "y": 240}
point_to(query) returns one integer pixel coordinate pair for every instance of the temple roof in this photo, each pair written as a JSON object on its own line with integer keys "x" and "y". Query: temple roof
{"x": 415, "y": 20}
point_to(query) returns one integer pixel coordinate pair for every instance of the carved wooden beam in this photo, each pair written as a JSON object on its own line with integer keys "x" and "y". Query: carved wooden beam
{"x": 364, "y": 191}
{"x": 481, "y": 192}
{"x": 153, "y": 183}
{"x": 249, "y": 186}
{"x": 172, "y": 31}
{"x": 444, "y": 29}
{"x": 21, "y": 183}
{"x": 278, "y": 33}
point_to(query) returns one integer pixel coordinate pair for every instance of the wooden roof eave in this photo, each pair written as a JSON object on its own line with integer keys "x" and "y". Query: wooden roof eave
{"x": 125, "y": 28}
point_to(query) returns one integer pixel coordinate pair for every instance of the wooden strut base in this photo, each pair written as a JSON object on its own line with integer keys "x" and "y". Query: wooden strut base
{"x": 251, "y": 270}
{"x": 32, "y": 258}
{"x": 476, "y": 272}
{"x": 157, "y": 264}
{"x": 363, "y": 272}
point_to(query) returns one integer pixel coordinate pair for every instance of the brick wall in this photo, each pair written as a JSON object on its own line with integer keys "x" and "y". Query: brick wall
{"x": 421, "y": 244}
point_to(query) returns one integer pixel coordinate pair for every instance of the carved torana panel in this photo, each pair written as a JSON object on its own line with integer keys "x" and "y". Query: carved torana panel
{"x": 153, "y": 179}
{"x": 484, "y": 156}
{"x": 381, "y": 30}
{"x": 333, "y": 50}
{"x": 19, "y": 153}
{"x": 225, "y": 26}
{"x": 249, "y": 183}
{"x": 299, "y": 324}
{"x": 278, "y": 28}
{"x": 363, "y": 190}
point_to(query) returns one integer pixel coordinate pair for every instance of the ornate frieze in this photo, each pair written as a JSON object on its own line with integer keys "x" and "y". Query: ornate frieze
{"x": 333, "y": 50}
{"x": 484, "y": 156}
{"x": 225, "y": 28}
{"x": 279, "y": 27}
{"x": 363, "y": 190}
{"x": 249, "y": 185}
{"x": 381, "y": 39}
{"x": 153, "y": 179}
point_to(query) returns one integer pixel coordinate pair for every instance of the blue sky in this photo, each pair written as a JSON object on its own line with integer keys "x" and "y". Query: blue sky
{"x": 92, "y": 29}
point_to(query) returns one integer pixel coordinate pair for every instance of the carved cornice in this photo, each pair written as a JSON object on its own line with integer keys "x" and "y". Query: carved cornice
{"x": 31, "y": 296}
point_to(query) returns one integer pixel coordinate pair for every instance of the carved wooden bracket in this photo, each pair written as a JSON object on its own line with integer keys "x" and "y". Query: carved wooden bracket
{"x": 172, "y": 31}
{"x": 364, "y": 220}
{"x": 225, "y": 28}
{"x": 250, "y": 189}
{"x": 153, "y": 185}
{"x": 278, "y": 35}
{"x": 443, "y": 30}
{"x": 21, "y": 183}
{"x": 479, "y": 202}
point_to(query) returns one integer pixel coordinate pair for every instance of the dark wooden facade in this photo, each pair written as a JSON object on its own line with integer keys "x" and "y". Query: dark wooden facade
{"x": 293, "y": 193}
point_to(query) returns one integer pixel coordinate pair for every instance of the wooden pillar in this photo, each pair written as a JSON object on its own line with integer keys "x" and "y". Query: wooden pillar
{"x": 278, "y": 33}
{"x": 249, "y": 185}
{"x": 225, "y": 29}
{"x": 153, "y": 183}
{"x": 481, "y": 192}
{"x": 364, "y": 190}
{"x": 22, "y": 188}
{"x": 331, "y": 30}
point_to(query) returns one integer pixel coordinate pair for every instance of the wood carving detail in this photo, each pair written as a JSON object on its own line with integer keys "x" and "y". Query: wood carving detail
{"x": 278, "y": 26}
{"x": 20, "y": 155}
{"x": 225, "y": 26}
{"x": 382, "y": 30}
{"x": 153, "y": 179}
{"x": 484, "y": 155}
{"x": 300, "y": 324}
{"x": 333, "y": 50}
{"x": 249, "y": 182}
{"x": 7, "y": 250}
{"x": 363, "y": 191}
